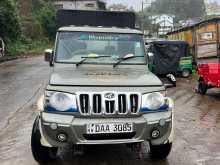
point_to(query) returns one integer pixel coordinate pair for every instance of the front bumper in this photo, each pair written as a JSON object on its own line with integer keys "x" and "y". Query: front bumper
{"x": 75, "y": 129}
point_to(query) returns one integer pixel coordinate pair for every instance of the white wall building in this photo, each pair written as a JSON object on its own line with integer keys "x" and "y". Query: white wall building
{"x": 80, "y": 4}
{"x": 166, "y": 22}
{"x": 118, "y": 7}
{"x": 212, "y": 8}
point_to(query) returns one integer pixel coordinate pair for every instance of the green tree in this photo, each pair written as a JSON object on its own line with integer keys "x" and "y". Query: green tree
{"x": 46, "y": 15}
{"x": 10, "y": 28}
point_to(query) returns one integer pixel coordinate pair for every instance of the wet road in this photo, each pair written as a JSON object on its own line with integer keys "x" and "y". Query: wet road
{"x": 197, "y": 123}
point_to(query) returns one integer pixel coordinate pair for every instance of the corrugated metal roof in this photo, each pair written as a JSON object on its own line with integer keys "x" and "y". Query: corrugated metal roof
{"x": 198, "y": 24}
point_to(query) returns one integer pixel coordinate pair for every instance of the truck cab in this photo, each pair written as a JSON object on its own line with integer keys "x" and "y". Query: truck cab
{"x": 101, "y": 92}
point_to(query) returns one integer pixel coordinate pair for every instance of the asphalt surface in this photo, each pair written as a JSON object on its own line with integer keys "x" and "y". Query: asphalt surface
{"x": 197, "y": 123}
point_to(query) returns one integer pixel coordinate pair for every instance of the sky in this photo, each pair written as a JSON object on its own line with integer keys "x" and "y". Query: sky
{"x": 215, "y": 1}
{"x": 136, "y": 4}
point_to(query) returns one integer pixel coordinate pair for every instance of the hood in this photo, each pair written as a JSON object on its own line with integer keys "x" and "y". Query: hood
{"x": 103, "y": 76}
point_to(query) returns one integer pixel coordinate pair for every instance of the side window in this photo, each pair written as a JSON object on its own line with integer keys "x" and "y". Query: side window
{"x": 138, "y": 50}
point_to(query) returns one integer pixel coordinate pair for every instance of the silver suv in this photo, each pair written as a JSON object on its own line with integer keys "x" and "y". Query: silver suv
{"x": 101, "y": 92}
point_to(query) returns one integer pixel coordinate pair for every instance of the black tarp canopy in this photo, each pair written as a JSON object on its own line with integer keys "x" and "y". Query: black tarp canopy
{"x": 96, "y": 18}
{"x": 167, "y": 55}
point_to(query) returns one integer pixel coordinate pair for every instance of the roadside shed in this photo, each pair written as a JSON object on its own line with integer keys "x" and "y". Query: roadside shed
{"x": 202, "y": 37}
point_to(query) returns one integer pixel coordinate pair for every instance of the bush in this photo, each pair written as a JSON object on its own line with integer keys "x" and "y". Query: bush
{"x": 24, "y": 47}
{"x": 16, "y": 48}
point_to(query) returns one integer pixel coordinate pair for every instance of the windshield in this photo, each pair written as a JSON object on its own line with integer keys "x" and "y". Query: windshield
{"x": 74, "y": 46}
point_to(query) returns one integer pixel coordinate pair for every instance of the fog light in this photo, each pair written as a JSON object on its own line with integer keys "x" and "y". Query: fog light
{"x": 53, "y": 126}
{"x": 155, "y": 134}
{"x": 62, "y": 137}
{"x": 162, "y": 122}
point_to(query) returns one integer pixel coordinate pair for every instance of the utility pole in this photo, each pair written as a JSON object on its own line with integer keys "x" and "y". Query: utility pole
{"x": 148, "y": 3}
{"x": 75, "y": 3}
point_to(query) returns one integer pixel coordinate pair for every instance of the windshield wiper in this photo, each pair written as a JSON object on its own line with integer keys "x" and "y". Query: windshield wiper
{"x": 124, "y": 58}
{"x": 89, "y": 57}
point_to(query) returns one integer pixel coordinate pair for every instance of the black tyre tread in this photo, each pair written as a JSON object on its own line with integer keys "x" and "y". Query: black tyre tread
{"x": 161, "y": 151}
{"x": 186, "y": 70}
{"x": 40, "y": 153}
{"x": 202, "y": 88}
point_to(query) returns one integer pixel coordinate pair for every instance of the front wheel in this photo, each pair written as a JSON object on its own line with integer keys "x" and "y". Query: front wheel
{"x": 40, "y": 153}
{"x": 186, "y": 73}
{"x": 202, "y": 88}
{"x": 160, "y": 151}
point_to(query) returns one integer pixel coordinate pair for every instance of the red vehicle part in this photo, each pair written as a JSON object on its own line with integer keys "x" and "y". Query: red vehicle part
{"x": 209, "y": 76}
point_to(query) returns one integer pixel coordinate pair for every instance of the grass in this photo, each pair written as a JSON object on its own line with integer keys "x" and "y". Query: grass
{"x": 28, "y": 47}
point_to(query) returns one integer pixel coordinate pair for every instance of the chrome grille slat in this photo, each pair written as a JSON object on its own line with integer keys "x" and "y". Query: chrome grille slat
{"x": 84, "y": 103}
{"x": 96, "y": 103}
{"x": 122, "y": 104}
{"x": 109, "y": 107}
{"x": 134, "y": 103}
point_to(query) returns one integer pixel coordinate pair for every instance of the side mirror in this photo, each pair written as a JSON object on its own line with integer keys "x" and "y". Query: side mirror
{"x": 48, "y": 56}
{"x": 150, "y": 54}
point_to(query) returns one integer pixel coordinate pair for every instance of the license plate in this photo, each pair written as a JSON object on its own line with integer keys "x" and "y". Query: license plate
{"x": 107, "y": 128}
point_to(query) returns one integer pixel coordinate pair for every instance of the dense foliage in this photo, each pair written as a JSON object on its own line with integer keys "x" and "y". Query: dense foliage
{"x": 46, "y": 15}
{"x": 10, "y": 28}
{"x": 26, "y": 25}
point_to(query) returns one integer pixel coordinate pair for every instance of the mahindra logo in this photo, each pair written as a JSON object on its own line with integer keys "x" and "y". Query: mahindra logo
{"x": 109, "y": 96}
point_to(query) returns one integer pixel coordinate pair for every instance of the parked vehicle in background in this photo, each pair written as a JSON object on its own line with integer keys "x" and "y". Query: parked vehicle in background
{"x": 101, "y": 92}
{"x": 2, "y": 47}
{"x": 209, "y": 76}
{"x": 170, "y": 57}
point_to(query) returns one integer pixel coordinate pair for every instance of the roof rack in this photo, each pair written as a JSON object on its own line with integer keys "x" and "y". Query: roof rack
{"x": 96, "y": 18}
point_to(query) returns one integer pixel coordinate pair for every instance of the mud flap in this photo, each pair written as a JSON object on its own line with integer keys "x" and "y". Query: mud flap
{"x": 43, "y": 140}
{"x": 171, "y": 137}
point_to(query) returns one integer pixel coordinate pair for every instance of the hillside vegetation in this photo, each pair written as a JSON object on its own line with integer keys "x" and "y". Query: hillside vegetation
{"x": 27, "y": 26}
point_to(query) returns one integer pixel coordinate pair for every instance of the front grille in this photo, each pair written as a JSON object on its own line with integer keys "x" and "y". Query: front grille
{"x": 108, "y": 103}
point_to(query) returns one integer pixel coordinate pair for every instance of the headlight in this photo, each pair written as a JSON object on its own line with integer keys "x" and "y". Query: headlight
{"x": 153, "y": 101}
{"x": 63, "y": 102}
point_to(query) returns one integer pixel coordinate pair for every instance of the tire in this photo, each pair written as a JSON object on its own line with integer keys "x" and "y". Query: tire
{"x": 186, "y": 73}
{"x": 202, "y": 88}
{"x": 160, "y": 152}
{"x": 40, "y": 153}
